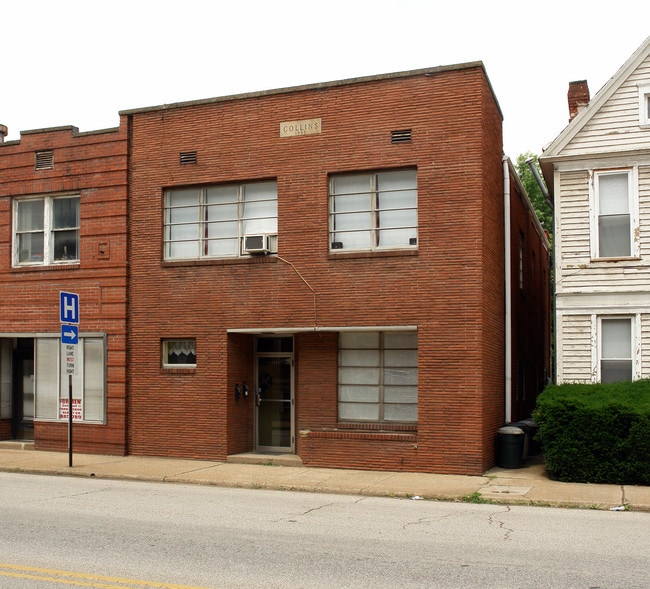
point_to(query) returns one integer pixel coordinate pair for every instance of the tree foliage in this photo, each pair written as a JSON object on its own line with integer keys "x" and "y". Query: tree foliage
{"x": 543, "y": 210}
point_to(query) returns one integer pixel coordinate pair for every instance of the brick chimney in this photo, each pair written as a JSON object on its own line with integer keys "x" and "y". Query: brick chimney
{"x": 578, "y": 96}
{"x": 3, "y": 133}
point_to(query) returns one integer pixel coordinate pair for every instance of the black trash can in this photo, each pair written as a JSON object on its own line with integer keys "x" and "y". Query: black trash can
{"x": 523, "y": 425}
{"x": 534, "y": 446}
{"x": 509, "y": 446}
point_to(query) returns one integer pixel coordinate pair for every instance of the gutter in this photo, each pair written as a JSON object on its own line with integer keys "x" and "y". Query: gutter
{"x": 508, "y": 290}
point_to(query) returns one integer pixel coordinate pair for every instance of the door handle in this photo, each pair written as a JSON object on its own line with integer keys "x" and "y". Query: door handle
{"x": 259, "y": 399}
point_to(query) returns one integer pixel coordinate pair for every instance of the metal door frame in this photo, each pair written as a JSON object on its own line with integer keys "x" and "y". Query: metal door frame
{"x": 275, "y": 449}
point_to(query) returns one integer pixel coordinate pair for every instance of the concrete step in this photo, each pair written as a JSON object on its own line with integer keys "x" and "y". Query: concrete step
{"x": 268, "y": 459}
{"x": 16, "y": 444}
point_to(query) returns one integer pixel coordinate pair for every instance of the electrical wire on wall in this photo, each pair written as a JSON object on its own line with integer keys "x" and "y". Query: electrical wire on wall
{"x": 308, "y": 286}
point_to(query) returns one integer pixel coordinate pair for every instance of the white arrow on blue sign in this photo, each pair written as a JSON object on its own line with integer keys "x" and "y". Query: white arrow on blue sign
{"x": 69, "y": 307}
{"x": 69, "y": 334}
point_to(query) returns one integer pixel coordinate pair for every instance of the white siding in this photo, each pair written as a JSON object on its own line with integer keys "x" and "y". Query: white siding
{"x": 574, "y": 349}
{"x": 575, "y": 272}
{"x": 616, "y": 124}
{"x": 645, "y": 345}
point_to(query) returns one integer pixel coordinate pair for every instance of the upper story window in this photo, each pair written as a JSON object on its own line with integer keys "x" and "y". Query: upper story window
{"x": 46, "y": 230}
{"x": 615, "y": 218}
{"x": 212, "y": 221}
{"x": 373, "y": 211}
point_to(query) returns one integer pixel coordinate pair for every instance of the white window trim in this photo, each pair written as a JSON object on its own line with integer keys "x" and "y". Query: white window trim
{"x": 596, "y": 348}
{"x": 48, "y": 232}
{"x": 644, "y": 106}
{"x": 633, "y": 196}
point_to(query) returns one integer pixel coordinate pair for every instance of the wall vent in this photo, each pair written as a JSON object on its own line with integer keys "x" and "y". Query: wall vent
{"x": 188, "y": 157}
{"x": 44, "y": 160}
{"x": 401, "y": 136}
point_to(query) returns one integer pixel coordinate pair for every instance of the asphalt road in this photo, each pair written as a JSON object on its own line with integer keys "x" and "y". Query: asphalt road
{"x": 71, "y": 532}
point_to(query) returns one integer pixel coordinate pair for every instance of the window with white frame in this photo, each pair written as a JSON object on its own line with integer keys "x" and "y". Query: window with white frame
{"x": 378, "y": 376}
{"x": 46, "y": 230}
{"x": 374, "y": 211}
{"x": 615, "y": 219}
{"x": 616, "y": 361}
{"x": 52, "y": 380}
{"x": 179, "y": 353}
{"x": 211, "y": 222}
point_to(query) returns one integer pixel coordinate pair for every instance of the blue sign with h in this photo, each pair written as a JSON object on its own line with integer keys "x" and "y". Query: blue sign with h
{"x": 69, "y": 307}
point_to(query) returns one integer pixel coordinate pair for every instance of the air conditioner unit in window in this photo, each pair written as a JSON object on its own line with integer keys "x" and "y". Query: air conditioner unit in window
{"x": 256, "y": 244}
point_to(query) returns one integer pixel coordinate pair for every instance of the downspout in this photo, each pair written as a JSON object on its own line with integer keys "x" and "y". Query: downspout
{"x": 508, "y": 290}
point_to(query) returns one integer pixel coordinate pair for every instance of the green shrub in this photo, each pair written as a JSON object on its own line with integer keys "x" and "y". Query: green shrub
{"x": 596, "y": 433}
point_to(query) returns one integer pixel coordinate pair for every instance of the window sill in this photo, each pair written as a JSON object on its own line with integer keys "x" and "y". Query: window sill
{"x": 261, "y": 259}
{"x": 615, "y": 260}
{"x": 410, "y": 437}
{"x": 178, "y": 370}
{"x": 347, "y": 255}
{"x": 47, "y": 267}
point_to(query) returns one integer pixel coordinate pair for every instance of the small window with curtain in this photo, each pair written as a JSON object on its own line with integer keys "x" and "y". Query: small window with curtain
{"x": 374, "y": 211}
{"x": 179, "y": 353}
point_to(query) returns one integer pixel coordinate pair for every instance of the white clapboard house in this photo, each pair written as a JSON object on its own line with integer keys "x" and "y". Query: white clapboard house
{"x": 598, "y": 173}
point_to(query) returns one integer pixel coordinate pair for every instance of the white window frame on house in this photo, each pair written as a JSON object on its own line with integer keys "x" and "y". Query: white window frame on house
{"x": 179, "y": 353}
{"x": 378, "y": 377}
{"x": 204, "y": 222}
{"x": 616, "y": 354}
{"x": 43, "y": 235}
{"x": 614, "y": 217}
{"x": 373, "y": 211}
{"x": 52, "y": 380}
{"x": 644, "y": 106}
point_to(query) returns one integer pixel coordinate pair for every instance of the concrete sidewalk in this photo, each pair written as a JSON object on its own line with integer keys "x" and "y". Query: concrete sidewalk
{"x": 529, "y": 485}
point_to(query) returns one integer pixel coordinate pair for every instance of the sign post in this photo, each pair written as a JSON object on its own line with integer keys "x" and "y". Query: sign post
{"x": 69, "y": 314}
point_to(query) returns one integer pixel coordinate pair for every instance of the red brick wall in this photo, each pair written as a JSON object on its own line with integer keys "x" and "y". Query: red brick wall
{"x": 531, "y": 310}
{"x": 451, "y": 288}
{"x": 92, "y": 165}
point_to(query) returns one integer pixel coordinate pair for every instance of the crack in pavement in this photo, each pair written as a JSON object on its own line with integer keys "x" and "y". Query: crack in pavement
{"x": 492, "y": 520}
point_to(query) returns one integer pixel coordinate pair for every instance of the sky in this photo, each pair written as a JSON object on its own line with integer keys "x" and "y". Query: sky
{"x": 71, "y": 62}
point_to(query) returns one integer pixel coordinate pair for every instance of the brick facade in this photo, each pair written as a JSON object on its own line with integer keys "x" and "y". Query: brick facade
{"x": 93, "y": 166}
{"x": 449, "y": 289}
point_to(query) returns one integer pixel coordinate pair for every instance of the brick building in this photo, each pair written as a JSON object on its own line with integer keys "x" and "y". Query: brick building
{"x": 63, "y": 229}
{"x": 320, "y": 271}
{"x": 317, "y": 271}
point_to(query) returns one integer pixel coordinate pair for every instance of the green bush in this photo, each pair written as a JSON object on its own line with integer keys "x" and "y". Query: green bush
{"x": 596, "y": 433}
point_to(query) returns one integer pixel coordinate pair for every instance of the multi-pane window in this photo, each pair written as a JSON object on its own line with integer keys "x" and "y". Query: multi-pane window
{"x": 614, "y": 214}
{"x": 52, "y": 380}
{"x": 373, "y": 211}
{"x": 46, "y": 230}
{"x": 616, "y": 363}
{"x": 179, "y": 352}
{"x": 378, "y": 376}
{"x": 205, "y": 222}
